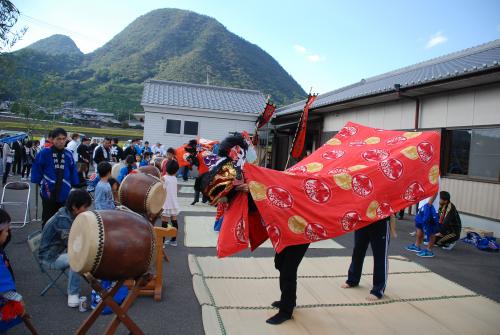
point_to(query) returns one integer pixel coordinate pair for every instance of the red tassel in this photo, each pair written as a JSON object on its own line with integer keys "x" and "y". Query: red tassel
{"x": 11, "y": 310}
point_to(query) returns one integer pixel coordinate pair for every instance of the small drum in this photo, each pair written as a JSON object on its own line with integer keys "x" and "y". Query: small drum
{"x": 150, "y": 169}
{"x": 111, "y": 244}
{"x": 115, "y": 170}
{"x": 142, "y": 193}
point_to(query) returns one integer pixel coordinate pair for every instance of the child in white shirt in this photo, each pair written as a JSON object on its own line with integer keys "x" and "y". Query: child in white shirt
{"x": 171, "y": 205}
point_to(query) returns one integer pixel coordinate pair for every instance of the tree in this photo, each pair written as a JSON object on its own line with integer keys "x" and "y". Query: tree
{"x": 9, "y": 15}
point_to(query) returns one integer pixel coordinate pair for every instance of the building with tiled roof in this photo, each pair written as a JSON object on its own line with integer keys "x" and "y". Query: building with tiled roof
{"x": 176, "y": 112}
{"x": 456, "y": 94}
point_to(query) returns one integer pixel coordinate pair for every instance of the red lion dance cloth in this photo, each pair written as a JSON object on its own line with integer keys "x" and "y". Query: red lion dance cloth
{"x": 356, "y": 178}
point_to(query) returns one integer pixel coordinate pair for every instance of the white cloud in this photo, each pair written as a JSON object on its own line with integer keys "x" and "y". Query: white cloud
{"x": 299, "y": 48}
{"x": 310, "y": 57}
{"x": 315, "y": 58}
{"x": 436, "y": 39}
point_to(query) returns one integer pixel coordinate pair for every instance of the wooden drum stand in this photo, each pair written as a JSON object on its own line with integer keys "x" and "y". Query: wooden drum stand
{"x": 154, "y": 286}
{"x": 119, "y": 310}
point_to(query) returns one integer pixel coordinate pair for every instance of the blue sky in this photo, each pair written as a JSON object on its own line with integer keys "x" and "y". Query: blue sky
{"x": 323, "y": 44}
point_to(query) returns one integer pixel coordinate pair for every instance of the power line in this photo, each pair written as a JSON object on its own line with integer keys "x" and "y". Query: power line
{"x": 41, "y": 22}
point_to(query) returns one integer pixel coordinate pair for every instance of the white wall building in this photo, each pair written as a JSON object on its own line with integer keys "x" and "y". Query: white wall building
{"x": 457, "y": 94}
{"x": 175, "y": 113}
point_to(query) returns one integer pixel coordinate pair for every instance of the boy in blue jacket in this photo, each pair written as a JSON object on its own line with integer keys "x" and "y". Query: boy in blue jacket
{"x": 56, "y": 172}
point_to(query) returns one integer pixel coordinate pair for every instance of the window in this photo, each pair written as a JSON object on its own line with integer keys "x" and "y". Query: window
{"x": 173, "y": 126}
{"x": 190, "y": 128}
{"x": 474, "y": 153}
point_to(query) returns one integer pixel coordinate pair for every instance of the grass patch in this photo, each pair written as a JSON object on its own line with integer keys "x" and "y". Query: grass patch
{"x": 43, "y": 128}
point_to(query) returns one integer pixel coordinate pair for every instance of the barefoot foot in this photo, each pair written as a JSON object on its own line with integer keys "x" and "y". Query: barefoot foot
{"x": 372, "y": 297}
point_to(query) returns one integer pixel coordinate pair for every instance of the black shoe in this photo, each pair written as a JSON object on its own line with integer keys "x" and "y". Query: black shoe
{"x": 276, "y": 304}
{"x": 278, "y": 318}
{"x": 194, "y": 203}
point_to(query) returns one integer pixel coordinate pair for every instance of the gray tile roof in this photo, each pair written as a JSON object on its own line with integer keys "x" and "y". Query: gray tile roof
{"x": 176, "y": 94}
{"x": 455, "y": 65}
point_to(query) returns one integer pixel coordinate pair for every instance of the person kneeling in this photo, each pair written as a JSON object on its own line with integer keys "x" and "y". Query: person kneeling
{"x": 54, "y": 243}
{"x": 450, "y": 222}
{"x": 426, "y": 224}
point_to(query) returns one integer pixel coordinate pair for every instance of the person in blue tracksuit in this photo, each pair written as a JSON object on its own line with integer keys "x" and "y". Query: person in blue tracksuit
{"x": 56, "y": 173}
{"x": 377, "y": 235}
{"x": 426, "y": 224}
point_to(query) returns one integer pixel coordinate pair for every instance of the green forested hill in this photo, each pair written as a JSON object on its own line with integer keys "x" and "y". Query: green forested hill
{"x": 56, "y": 44}
{"x": 168, "y": 44}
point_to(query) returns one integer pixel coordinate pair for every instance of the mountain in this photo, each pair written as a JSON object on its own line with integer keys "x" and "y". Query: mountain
{"x": 56, "y": 45}
{"x": 168, "y": 44}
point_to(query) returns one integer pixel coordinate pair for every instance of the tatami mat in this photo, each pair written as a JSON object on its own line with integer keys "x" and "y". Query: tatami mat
{"x": 199, "y": 232}
{"x": 235, "y": 294}
{"x": 185, "y": 206}
{"x": 187, "y": 189}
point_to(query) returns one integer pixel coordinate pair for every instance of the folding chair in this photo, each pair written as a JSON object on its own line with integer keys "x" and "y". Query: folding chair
{"x": 18, "y": 186}
{"x": 34, "y": 244}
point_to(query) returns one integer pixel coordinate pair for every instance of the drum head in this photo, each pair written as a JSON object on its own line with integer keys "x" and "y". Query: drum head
{"x": 115, "y": 170}
{"x": 83, "y": 242}
{"x": 156, "y": 198}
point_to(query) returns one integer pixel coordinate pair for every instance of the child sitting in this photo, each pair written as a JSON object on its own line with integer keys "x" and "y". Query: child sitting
{"x": 147, "y": 159}
{"x": 103, "y": 194}
{"x": 11, "y": 302}
{"x": 138, "y": 161}
{"x": 130, "y": 166}
{"x": 54, "y": 242}
{"x": 171, "y": 205}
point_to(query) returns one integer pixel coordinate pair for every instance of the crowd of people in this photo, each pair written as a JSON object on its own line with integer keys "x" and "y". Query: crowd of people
{"x": 67, "y": 168}
{"x": 18, "y": 158}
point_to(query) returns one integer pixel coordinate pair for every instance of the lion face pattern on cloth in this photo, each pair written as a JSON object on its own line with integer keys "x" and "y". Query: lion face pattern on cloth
{"x": 361, "y": 175}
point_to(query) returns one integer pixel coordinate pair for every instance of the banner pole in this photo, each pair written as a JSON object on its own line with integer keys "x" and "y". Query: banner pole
{"x": 267, "y": 145}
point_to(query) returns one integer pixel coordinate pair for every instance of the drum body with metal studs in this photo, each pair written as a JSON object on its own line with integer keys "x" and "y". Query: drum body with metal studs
{"x": 111, "y": 244}
{"x": 142, "y": 193}
{"x": 150, "y": 169}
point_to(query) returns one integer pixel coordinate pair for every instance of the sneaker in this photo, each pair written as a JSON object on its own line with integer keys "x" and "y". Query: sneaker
{"x": 173, "y": 243}
{"x": 449, "y": 246}
{"x": 413, "y": 247}
{"x": 167, "y": 242}
{"x": 73, "y": 300}
{"x": 425, "y": 253}
{"x": 413, "y": 233}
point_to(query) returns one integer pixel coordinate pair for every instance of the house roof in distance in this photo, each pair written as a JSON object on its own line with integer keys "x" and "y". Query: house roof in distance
{"x": 186, "y": 95}
{"x": 484, "y": 57}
